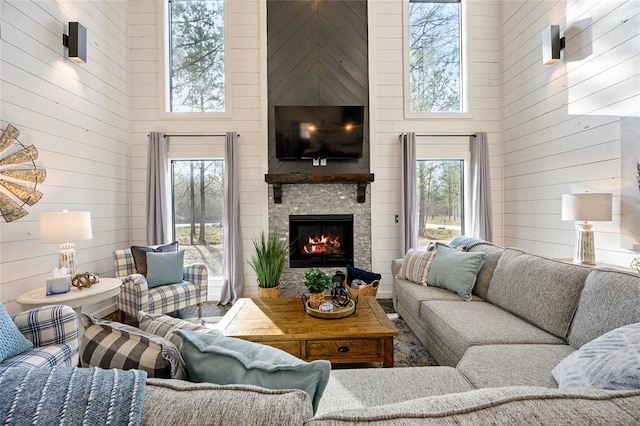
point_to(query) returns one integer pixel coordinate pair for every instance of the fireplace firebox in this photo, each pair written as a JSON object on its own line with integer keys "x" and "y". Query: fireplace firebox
{"x": 320, "y": 240}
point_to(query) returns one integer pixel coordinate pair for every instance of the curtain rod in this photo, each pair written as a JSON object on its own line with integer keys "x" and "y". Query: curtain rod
{"x": 434, "y": 136}
{"x": 199, "y": 135}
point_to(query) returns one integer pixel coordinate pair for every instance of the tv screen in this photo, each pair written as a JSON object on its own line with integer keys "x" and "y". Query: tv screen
{"x": 333, "y": 132}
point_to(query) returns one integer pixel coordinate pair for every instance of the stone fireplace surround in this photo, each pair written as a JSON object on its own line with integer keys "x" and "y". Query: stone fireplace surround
{"x": 301, "y": 199}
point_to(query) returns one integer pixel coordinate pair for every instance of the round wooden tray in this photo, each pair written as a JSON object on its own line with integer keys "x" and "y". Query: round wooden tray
{"x": 338, "y": 311}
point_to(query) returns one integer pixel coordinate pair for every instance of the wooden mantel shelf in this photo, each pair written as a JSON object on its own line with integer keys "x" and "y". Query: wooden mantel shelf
{"x": 277, "y": 180}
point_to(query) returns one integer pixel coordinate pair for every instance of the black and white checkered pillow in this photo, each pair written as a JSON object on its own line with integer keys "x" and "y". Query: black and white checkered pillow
{"x": 109, "y": 344}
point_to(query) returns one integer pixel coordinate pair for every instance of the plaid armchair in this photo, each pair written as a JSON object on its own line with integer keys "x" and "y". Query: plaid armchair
{"x": 53, "y": 330}
{"x": 135, "y": 295}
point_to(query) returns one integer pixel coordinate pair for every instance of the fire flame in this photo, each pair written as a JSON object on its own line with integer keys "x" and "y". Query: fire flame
{"x": 322, "y": 244}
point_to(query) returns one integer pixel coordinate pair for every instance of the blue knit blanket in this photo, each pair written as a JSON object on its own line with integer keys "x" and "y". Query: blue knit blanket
{"x": 468, "y": 242}
{"x": 71, "y": 396}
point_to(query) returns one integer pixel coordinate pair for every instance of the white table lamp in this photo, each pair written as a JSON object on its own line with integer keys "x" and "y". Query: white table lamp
{"x": 65, "y": 227}
{"x": 586, "y": 207}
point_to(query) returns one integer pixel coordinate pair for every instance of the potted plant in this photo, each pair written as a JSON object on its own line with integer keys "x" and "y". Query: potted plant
{"x": 317, "y": 282}
{"x": 268, "y": 263}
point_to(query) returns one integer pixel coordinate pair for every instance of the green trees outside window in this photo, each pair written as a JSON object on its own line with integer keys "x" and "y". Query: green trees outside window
{"x": 196, "y": 52}
{"x": 440, "y": 198}
{"x": 198, "y": 205}
{"x": 435, "y": 67}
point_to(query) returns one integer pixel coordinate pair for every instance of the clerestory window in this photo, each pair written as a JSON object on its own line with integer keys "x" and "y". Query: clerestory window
{"x": 435, "y": 69}
{"x": 196, "y": 56}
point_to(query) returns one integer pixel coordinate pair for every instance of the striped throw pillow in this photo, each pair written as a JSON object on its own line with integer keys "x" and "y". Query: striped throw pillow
{"x": 415, "y": 266}
{"x": 109, "y": 344}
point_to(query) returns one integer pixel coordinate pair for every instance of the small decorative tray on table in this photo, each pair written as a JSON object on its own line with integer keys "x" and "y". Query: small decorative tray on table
{"x": 338, "y": 311}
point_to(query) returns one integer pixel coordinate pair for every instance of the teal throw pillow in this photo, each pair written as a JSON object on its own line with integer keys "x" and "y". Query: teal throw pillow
{"x": 139, "y": 254}
{"x": 12, "y": 342}
{"x": 225, "y": 360}
{"x": 164, "y": 268}
{"x": 455, "y": 270}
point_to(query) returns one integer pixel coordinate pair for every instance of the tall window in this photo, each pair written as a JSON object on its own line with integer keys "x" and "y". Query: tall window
{"x": 435, "y": 64}
{"x": 198, "y": 193}
{"x": 196, "y": 53}
{"x": 440, "y": 197}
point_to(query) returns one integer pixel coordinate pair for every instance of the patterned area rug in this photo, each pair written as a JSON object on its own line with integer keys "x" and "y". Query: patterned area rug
{"x": 408, "y": 351}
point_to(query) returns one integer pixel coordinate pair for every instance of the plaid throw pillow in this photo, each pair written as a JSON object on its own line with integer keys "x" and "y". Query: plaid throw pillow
{"x": 164, "y": 326}
{"x": 109, "y": 344}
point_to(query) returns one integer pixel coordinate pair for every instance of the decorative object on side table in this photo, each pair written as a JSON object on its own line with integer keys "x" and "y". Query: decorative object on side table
{"x": 84, "y": 280}
{"x": 635, "y": 264}
{"x": 268, "y": 263}
{"x": 316, "y": 281}
{"x": 59, "y": 282}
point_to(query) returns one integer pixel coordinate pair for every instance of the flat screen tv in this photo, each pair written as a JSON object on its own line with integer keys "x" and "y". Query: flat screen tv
{"x": 333, "y": 132}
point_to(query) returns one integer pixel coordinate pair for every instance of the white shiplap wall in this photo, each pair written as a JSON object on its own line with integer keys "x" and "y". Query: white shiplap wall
{"x": 562, "y": 122}
{"x": 388, "y": 118}
{"x": 77, "y": 117}
{"x": 247, "y": 63}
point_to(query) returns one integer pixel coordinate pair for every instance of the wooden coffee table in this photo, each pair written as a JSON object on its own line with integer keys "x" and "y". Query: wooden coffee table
{"x": 365, "y": 337}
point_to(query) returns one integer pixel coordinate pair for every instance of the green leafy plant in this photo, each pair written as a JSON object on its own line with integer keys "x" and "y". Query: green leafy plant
{"x": 317, "y": 281}
{"x": 268, "y": 259}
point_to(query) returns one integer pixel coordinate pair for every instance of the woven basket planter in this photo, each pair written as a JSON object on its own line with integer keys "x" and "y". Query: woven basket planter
{"x": 269, "y": 293}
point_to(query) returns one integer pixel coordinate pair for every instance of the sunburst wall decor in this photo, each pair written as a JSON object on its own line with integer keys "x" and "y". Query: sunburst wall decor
{"x": 19, "y": 175}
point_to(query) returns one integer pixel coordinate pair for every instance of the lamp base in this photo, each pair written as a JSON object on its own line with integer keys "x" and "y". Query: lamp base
{"x": 67, "y": 258}
{"x": 585, "y": 247}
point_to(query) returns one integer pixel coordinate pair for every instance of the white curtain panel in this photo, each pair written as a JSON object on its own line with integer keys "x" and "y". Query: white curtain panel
{"x": 233, "y": 275}
{"x": 408, "y": 203}
{"x": 158, "y": 217}
{"x": 480, "y": 182}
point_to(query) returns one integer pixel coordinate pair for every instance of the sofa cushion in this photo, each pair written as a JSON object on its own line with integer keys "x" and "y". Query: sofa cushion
{"x": 488, "y": 266}
{"x": 110, "y": 344}
{"x": 542, "y": 291}
{"x": 493, "y": 366}
{"x": 176, "y": 402}
{"x": 612, "y": 361}
{"x": 12, "y": 342}
{"x": 455, "y": 270}
{"x": 412, "y": 295}
{"x": 226, "y": 360}
{"x": 370, "y": 387}
{"x": 610, "y": 299}
{"x": 460, "y": 325}
{"x": 514, "y": 405}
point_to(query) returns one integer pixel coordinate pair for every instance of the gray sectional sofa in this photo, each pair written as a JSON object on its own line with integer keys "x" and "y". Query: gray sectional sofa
{"x": 527, "y": 314}
{"x": 496, "y": 353}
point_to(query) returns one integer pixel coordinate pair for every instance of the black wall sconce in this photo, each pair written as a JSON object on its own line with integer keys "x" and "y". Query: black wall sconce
{"x": 552, "y": 44}
{"x": 76, "y": 41}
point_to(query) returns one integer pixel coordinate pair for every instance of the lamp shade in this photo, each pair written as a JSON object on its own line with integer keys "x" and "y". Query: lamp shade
{"x": 62, "y": 227}
{"x": 588, "y": 206}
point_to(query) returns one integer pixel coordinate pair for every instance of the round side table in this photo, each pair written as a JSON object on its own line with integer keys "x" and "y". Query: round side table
{"x": 102, "y": 290}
